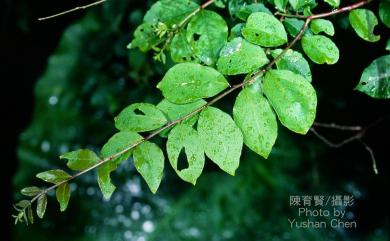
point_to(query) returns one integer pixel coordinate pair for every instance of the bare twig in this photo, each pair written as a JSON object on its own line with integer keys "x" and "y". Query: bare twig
{"x": 374, "y": 167}
{"x": 72, "y": 10}
{"x": 338, "y": 127}
{"x": 211, "y": 102}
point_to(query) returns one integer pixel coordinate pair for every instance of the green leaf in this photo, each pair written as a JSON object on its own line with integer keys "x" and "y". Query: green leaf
{"x": 145, "y": 38}
{"x": 375, "y": 80}
{"x": 63, "y": 195}
{"x": 322, "y": 25}
{"x": 185, "y": 137}
{"x": 181, "y": 51}
{"x": 246, "y": 10}
{"x": 170, "y": 12}
{"x": 281, "y": 5}
{"x": 293, "y": 98}
{"x": 333, "y": 3}
{"x": 363, "y": 21}
{"x": 115, "y": 144}
{"x": 293, "y": 61}
{"x": 41, "y": 205}
{"x": 235, "y": 31}
{"x": 300, "y": 5}
{"x": 234, "y": 6}
{"x": 240, "y": 57}
{"x": 221, "y": 138}
{"x": 174, "y": 111}
{"x": 149, "y": 162}
{"x": 81, "y": 159}
{"x": 384, "y": 12}
{"x": 254, "y": 116}
{"x": 320, "y": 49}
{"x": 30, "y": 214}
{"x": 207, "y": 33}
{"x": 188, "y": 82}
{"x": 265, "y": 30}
{"x": 23, "y": 204}
{"x": 31, "y": 191}
{"x": 53, "y": 176}
{"x": 140, "y": 117}
{"x": 294, "y": 26}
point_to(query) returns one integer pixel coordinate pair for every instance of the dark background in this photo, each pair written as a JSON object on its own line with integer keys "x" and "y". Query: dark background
{"x": 26, "y": 44}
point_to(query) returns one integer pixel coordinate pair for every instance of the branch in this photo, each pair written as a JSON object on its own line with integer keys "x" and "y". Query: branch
{"x": 211, "y": 102}
{"x": 338, "y": 127}
{"x": 72, "y": 10}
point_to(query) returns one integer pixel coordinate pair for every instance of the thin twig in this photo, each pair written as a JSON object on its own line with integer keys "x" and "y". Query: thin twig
{"x": 72, "y": 10}
{"x": 374, "y": 167}
{"x": 340, "y": 144}
{"x": 338, "y": 127}
{"x": 194, "y": 112}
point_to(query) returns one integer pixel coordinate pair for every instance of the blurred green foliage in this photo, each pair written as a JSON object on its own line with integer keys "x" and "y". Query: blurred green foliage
{"x": 89, "y": 79}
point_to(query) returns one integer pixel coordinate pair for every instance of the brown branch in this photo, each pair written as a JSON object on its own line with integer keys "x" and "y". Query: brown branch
{"x": 194, "y": 112}
{"x": 72, "y": 10}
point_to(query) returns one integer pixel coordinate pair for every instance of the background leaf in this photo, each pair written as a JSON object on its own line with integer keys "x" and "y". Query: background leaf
{"x": 384, "y": 12}
{"x": 256, "y": 119}
{"x": 221, "y": 138}
{"x": 184, "y": 138}
{"x": 293, "y": 98}
{"x": 187, "y": 82}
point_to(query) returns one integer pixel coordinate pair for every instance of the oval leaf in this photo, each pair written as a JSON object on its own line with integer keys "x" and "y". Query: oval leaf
{"x": 320, "y": 49}
{"x": 53, "y": 176}
{"x": 254, "y": 116}
{"x": 293, "y": 61}
{"x": 63, "y": 195}
{"x": 140, "y": 117}
{"x": 363, "y": 21}
{"x": 207, "y": 32}
{"x": 221, "y": 138}
{"x": 293, "y": 98}
{"x": 115, "y": 144}
{"x": 185, "y": 137}
{"x": 81, "y": 159}
{"x": 31, "y": 191}
{"x": 41, "y": 205}
{"x": 375, "y": 80}
{"x": 240, "y": 57}
{"x": 265, "y": 30}
{"x": 149, "y": 162}
{"x": 188, "y": 82}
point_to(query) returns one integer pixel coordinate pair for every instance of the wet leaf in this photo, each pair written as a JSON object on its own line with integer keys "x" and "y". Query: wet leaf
{"x": 31, "y": 191}
{"x": 246, "y": 10}
{"x": 140, "y": 117}
{"x": 180, "y": 49}
{"x": 265, "y": 30}
{"x": 240, "y": 57}
{"x": 320, "y": 49}
{"x": 375, "y": 80}
{"x": 63, "y": 195}
{"x": 185, "y": 137}
{"x": 294, "y": 26}
{"x": 149, "y": 162}
{"x": 207, "y": 33}
{"x": 188, "y": 82}
{"x": 144, "y": 38}
{"x": 115, "y": 144}
{"x": 221, "y": 138}
{"x": 293, "y": 61}
{"x": 322, "y": 25}
{"x": 53, "y": 176}
{"x": 81, "y": 159}
{"x": 363, "y": 21}
{"x": 293, "y": 98}
{"x": 254, "y": 116}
